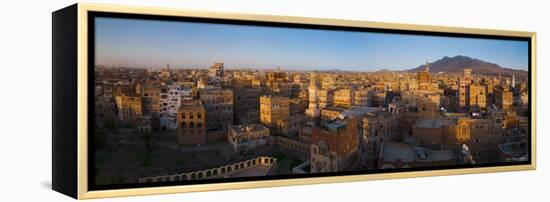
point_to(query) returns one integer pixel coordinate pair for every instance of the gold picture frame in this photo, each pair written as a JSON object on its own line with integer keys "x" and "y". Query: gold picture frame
{"x": 75, "y": 19}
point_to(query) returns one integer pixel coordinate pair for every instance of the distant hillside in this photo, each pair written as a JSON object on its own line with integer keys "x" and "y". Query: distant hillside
{"x": 457, "y": 63}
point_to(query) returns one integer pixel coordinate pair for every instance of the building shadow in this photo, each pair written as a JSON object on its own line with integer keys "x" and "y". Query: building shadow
{"x": 46, "y": 184}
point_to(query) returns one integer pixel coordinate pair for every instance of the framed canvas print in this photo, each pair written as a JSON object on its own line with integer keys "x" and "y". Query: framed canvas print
{"x": 156, "y": 100}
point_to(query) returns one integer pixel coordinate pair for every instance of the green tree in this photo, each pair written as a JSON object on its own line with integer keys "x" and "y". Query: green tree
{"x": 110, "y": 125}
{"x": 147, "y": 138}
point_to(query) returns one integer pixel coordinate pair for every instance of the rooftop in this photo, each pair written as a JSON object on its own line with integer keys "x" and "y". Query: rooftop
{"x": 334, "y": 125}
{"x": 515, "y": 149}
{"x": 430, "y": 123}
{"x": 190, "y": 104}
{"x": 333, "y": 108}
{"x": 380, "y": 113}
{"x": 358, "y": 111}
{"x": 393, "y": 151}
{"x": 248, "y": 128}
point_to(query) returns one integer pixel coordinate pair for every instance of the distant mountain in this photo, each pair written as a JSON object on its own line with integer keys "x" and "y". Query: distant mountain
{"x": 457, "y": 63}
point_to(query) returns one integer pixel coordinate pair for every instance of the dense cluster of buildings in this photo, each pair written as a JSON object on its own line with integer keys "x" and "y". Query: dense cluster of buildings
{"x": 332, "y": 121}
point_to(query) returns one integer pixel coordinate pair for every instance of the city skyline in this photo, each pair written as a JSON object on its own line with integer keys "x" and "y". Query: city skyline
{"x": 149, "y": 43}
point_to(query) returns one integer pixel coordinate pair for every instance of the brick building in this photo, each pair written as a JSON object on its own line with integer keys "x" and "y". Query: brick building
{"x": 334, "y": 146}
{"x": 191, "y": 119}
{"x": 218, "y": 104}
{"x": 273, "y": 108}
{"x": 129, "y": 109}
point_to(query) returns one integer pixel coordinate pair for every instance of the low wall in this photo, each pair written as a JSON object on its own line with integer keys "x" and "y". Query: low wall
{"x": 213, "y": 172}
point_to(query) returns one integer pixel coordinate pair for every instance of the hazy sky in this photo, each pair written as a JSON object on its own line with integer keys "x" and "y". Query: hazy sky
{"x": 150, "y": 43}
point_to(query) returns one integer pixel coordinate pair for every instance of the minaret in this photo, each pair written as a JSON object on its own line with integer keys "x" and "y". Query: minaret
{"x": 313, "y": 107}
{"x": 427, "y": 66}
{"x": 165, "y": 72}
{"x": 513, "y": 81}
{"x": 423, "y": 76}
{"x": 467, "y": 74}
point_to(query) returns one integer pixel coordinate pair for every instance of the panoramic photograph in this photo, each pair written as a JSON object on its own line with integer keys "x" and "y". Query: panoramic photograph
{"x": 192, "y": 101}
